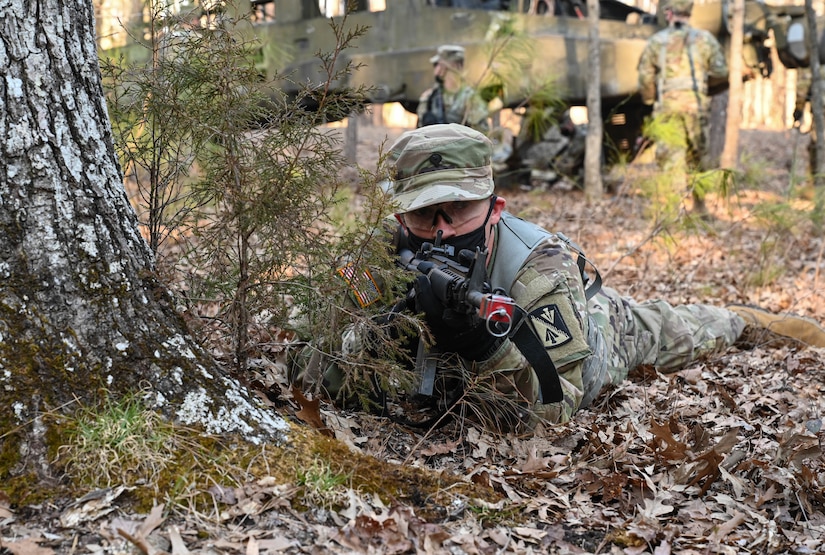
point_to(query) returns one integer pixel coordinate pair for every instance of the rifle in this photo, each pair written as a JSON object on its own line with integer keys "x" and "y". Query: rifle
{"x": 436, "y": 111}
{"x": 462, "y": 287}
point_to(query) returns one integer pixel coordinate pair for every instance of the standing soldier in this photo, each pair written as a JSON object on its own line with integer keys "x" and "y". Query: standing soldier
{"x": 804, "y": 88}
{"x": 676, "y": 68}
{"x": 451, "y": 99}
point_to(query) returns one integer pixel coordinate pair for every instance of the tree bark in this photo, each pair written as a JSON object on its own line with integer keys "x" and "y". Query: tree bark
{"x": 595, "y": 130}
{"x": 817, "y": 108}
{"x": 82, "y": 314}
{"x": 730, "y": 154}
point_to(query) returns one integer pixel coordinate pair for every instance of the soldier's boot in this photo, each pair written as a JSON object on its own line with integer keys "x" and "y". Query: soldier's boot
{"x": 763, "y": 327}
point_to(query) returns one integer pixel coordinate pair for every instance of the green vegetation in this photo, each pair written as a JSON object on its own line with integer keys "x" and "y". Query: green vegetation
{"x": 238, "y": 185}
{"x": 122, "y": 443}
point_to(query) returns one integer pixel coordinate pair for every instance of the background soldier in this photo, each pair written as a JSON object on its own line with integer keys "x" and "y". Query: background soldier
{"x": 677, "y": 66}
{"x": 804, "y": 88}
{"x": 451, "y": 99}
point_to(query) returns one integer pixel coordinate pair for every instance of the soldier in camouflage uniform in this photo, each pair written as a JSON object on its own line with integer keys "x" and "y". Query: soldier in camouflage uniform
{"x": 451, "y": 100}
{"x": 804, "y": 87}
{"x": 442, "y": 183}
{"x": 676, "y": 68}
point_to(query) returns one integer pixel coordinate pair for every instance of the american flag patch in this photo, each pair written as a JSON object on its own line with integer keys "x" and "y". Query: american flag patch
{"x": 361, "y": 283}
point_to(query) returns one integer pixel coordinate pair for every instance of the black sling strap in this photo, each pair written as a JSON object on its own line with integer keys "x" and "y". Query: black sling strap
{"x": 591, "y": 286}
{"x": 525, "y": 339}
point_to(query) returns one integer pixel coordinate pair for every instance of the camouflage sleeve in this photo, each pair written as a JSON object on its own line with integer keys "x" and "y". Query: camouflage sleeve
{"x": 550, "y": 290}
{"x": 422, "y": 104}
{"x": 647, "y": 74}
{"x": 465, "y": 106}
{"x": 475, "y": 110}
{"x": 717, "y": 65}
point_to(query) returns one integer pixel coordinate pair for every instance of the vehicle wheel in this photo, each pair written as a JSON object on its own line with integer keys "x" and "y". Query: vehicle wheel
{"x": 409, "y": 105}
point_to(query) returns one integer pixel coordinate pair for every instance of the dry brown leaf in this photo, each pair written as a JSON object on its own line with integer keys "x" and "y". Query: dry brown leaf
{"x": 440, "y": 448}
{"x": 534, "y": 463}
{"x": 310, "y": 412}
{"x": 153, "y": 520}
{"x": 178, "y": 545}
{"x": 613, "y": 486}
{"x": 366, "y": 534}
{"x": 91, "y": 506}
{"x": 26, "y": 546}
{"x": 673, "y": 450}
{"x": 720, "y": 532}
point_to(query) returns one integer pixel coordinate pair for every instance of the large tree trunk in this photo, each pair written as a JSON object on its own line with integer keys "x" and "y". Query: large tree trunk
{"x": 81, "y": 312}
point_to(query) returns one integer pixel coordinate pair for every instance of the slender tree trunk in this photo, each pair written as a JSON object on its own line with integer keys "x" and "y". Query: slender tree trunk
{"x": 718, "y": 127}
{"x": 351, "y": 138}
{"x": 81, "y": 312}
{"x": 730, "y": 154}
{"x": 817, "y": 93}
{"x": 595, "y": 130}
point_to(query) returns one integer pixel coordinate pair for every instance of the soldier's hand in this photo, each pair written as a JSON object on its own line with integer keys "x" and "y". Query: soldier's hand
{"x": 463, "y": 334}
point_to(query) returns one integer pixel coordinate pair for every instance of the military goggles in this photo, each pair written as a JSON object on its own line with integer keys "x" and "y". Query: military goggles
{"x": 456, "y": 213}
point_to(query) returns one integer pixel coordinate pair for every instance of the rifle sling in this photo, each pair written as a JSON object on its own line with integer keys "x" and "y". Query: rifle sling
{"x": 533, "y": 350}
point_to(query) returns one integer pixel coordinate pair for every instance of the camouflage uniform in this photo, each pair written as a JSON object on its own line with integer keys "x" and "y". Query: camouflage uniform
{"x": 674, "y": 71}
{"x": 593, "y": 343}
{"x": 459, "y": 105}
{"x": 804, "y": 87}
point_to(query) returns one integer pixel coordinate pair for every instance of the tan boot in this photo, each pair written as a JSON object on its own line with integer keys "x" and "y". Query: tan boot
{"x": 789, "y": 326}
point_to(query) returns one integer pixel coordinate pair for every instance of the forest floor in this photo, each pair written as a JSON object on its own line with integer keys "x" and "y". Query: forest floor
{"x": 723, "y": 457}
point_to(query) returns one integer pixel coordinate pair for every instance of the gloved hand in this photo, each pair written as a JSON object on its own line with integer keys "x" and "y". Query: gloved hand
{"x": 797, "y": 115}
{"x": 463, "y": 334}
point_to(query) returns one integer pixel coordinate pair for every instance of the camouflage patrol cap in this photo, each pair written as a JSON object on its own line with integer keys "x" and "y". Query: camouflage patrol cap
{"x": 681, "y": 7}
{"x": 440, "y": 163}
{"x": 450, "y": 53}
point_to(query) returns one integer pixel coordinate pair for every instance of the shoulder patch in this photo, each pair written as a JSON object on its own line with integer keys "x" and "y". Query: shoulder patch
{"x": 550, "y": 326}
{"x": 361, "y": 283}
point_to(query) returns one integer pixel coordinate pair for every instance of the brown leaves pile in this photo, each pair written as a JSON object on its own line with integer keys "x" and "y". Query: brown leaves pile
{"x": 725, "y": 456}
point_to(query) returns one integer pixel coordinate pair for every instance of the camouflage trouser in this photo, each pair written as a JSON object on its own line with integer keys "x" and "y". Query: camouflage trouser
{"x": 651, "y": 333}
{"x": 811, "y": 152}
{"x": 682, "y": 146}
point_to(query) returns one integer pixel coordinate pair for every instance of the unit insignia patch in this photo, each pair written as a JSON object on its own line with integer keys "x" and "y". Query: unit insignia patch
{"x": 550, "y": 326}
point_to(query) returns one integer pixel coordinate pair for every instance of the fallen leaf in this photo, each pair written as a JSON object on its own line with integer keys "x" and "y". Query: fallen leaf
{"x": 25, "y": 547}
{"x": 310, "y": 412}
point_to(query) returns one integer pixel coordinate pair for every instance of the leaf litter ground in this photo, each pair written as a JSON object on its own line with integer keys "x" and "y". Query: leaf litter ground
{"x": 724, "y": 456}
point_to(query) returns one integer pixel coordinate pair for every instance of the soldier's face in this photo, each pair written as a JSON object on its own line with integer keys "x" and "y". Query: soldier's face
{"x": 451, "y": 218}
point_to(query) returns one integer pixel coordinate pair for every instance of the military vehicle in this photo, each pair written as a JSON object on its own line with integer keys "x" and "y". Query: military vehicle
{"x": 394, "y": 55}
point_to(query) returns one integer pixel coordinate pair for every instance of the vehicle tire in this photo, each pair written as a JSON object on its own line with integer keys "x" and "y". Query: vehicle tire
{"x": 409, "y": 105}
